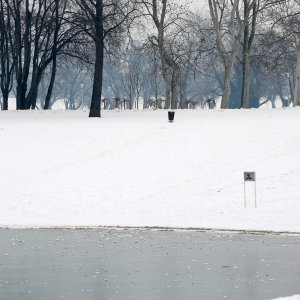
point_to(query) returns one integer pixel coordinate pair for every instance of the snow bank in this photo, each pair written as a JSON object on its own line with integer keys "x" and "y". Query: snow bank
{"x": 295, "y": 297}
{"x": 136, "y": 169}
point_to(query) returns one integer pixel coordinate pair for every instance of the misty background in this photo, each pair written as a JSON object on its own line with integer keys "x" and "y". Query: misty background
{"x": 156, "y": 54}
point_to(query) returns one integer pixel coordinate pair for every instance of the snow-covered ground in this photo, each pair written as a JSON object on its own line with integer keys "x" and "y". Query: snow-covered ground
{"x": 133, "y": 168}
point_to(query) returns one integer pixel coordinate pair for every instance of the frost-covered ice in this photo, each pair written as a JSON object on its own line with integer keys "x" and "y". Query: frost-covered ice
{"x": 136, "y": 169}
{"x": 295, "y": 297}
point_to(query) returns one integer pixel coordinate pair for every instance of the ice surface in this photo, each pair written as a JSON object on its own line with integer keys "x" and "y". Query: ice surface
{"x": 295, "y": 297}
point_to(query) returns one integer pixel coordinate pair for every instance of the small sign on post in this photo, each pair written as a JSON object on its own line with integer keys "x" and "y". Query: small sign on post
{"x": 249, "y": 177}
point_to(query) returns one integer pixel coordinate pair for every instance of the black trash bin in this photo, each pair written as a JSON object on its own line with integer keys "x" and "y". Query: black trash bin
{"x": 171, "y": 115}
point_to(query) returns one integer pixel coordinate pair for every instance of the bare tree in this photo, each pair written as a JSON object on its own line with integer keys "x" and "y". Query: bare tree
{"x": 21, "y": 14}
{"x": 197, "y": 43}
{"x": 166, "y": 16}
{"x": 288, "y": 23}
{"x": 57, "y": 23}
{"x": 284, "y": 39}
{"x": 297, "y": 85}
{"x": 101, "y": 19}
{"x": 229, "y": 27}
{"x": 294, "y": 22}
{"x": 249, "y": 34}
{"x": 38, "y": 34}
{"x": 6, "y": 58}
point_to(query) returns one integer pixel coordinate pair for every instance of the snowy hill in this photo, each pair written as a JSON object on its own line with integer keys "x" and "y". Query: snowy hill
{"x": 136, "y": 169}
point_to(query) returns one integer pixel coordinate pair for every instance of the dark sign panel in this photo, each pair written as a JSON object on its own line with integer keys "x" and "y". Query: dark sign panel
{"x": 249, "y": 176}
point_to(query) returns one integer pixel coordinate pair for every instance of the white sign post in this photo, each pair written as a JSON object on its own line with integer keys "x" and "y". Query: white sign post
{"x": 249, "y": 177}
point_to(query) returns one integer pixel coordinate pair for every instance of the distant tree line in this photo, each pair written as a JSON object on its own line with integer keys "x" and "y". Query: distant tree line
{"x": 246, "y": 52}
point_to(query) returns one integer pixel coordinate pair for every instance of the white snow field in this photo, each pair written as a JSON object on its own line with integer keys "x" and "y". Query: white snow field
{"x": 133, "y": 168}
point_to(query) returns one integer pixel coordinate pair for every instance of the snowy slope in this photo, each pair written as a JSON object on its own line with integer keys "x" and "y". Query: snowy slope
{"x": 136, "y": 169}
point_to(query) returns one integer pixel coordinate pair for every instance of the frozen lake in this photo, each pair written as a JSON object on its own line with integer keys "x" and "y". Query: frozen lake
{"x": 108, "y": 264}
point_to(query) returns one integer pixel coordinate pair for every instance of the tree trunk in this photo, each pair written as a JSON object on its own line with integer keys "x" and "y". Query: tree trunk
{"x": 95, "y": 109}
{"x": 5, "y": 101}
{"x": 22, "y": 56}
{"x": 130, "y": 98}
{"x": 273, "y": 100}
{"x": 71, "y": 102}
{"x": 21, "y": 95}
{"x": 51, "y": 84}
{"x": 246, "y": 67}
{"x": 5, "y": 88}
{"x": 168, "y": 94}
{"x": 226, "y": 88}
{"x": 297, "y": 85}
{"x": 183, "y": 88}
{"x": 30, "y": 101}
{"x": 31, "y": 98}
{"x": 175, "y": 87}
{"x": 291, "y": 88}
{"x": 54, "y": 55}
